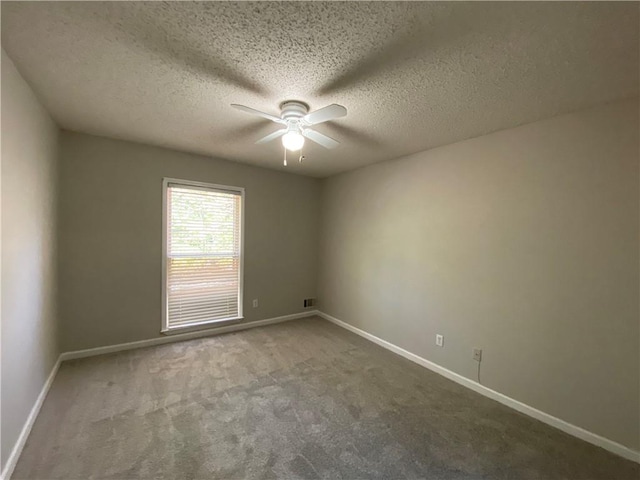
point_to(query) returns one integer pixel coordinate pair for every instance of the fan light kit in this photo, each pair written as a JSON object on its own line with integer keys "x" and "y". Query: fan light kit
{"x": 296, "y": 119}
{"x": 293, "y": 141}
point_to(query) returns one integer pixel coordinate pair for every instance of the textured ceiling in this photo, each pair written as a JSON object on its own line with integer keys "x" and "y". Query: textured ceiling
{"x": 412, "y": 75}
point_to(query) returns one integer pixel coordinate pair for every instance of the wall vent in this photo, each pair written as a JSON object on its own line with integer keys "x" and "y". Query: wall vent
{"x": 309, "y": 302}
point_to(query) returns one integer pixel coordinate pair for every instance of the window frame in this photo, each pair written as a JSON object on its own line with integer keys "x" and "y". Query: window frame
{"x": 166, "y": 329}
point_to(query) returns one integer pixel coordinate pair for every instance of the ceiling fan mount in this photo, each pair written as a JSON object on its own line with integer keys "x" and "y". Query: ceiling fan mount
{"x": 293, "y": 109}
{"x": 296, "y": 119}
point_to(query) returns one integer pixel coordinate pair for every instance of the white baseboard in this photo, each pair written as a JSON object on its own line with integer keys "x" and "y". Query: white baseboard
{"x": 26, "y": 429}
{"x": 566, "y": 427}
{"x": 178, "y": 337}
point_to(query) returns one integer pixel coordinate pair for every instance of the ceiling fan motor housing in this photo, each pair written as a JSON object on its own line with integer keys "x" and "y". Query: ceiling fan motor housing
{"x": 293, "y": 110}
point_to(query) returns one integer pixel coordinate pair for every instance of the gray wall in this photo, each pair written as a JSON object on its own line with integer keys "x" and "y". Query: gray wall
{"x": 523, "y": 242}
{"x": 29, "y": 327}
{"x": 111, "y": 233}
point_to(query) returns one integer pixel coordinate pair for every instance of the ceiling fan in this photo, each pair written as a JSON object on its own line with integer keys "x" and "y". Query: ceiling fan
{"x": 296, "y": 120}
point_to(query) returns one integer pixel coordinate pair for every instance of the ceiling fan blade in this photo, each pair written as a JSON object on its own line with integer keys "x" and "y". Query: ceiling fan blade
{"x": 272, "y": 136}
{"x": 325, "y": 114}
{"x": 320, "y": 138}
{"x": 253, "y": 111}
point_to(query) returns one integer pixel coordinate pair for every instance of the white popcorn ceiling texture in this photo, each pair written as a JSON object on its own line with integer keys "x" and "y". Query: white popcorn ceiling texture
{"x": 412, "y": 75}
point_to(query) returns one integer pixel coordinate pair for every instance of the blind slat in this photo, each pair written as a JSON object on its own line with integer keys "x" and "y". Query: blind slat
{"x": 204, "y": 299}
{"x": 208, "y": 310}
{"x": 203, "y": 254}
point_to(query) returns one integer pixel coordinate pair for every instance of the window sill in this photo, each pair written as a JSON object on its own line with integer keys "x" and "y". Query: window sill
{"x": 210, "y": 325}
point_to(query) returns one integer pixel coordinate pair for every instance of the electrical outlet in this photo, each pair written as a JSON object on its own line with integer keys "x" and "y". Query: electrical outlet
{"x": 440, "y": 340}
{"x": 477, "y": 354}
{"x": 255, "y": 303}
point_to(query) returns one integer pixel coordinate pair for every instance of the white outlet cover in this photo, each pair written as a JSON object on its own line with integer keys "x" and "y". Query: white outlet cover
{"x": 440, "y": 340}
{"x": 255, "y": 303}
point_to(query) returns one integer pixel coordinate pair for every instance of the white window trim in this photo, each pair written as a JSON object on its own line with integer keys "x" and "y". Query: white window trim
{"x": 208, "y": 324}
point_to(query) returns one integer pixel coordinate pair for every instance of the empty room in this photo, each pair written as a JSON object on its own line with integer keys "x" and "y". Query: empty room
{"x": 320, "y": 240}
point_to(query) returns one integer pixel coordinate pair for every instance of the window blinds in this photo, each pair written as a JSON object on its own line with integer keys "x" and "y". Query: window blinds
{"x": 203, "y": 251}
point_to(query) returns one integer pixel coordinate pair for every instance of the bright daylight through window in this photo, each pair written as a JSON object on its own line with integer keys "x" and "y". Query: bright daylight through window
{"x": 202, "y": 254}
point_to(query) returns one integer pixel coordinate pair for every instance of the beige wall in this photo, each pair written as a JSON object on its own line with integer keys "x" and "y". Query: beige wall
{"x": 523, "y": 242}
{"x": 111, "y": 237}
{"x": 29, "y": 327}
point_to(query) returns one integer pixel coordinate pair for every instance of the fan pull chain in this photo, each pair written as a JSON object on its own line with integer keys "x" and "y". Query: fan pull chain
{"x": 285, "y": 157}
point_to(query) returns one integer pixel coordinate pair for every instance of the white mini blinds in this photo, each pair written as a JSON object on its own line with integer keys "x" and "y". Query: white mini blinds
{"x": 203, "y": 254}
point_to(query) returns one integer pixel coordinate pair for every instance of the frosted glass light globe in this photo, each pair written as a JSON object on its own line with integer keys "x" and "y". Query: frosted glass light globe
{"x": 292, "y": 141}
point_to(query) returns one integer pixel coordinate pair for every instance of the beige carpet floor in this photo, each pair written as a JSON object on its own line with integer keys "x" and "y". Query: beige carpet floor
{"x": 303, "y": 399}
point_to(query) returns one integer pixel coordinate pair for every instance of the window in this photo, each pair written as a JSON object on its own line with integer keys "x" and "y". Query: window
{"x": 202, "y": 254}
